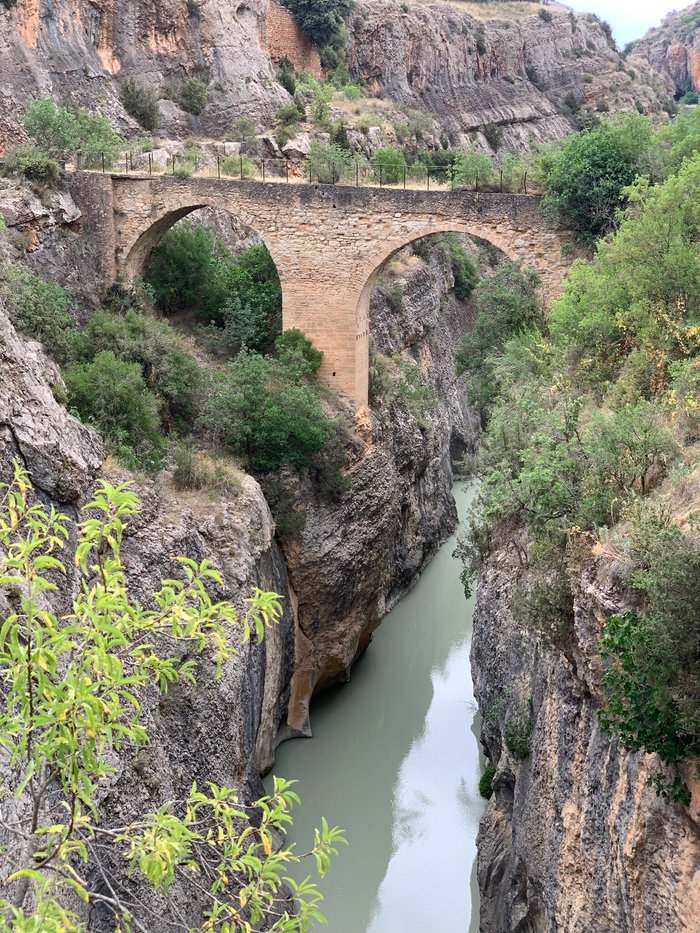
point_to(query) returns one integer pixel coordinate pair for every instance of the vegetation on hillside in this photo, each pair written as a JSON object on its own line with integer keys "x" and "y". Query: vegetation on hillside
{"x": 589, "y": 411}
{"x": 73, "y": 688}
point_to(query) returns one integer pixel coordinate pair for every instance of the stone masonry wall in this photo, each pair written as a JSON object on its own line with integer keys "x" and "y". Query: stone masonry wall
{"x": 329, "y": 243}
{"x": 282, "y": 38}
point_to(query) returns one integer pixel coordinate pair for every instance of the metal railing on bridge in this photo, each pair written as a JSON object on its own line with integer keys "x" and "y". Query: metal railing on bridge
{"x": 360, "y": 173}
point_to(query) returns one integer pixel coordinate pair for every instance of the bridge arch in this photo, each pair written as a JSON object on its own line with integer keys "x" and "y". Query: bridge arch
{"x": 328, "y": 243}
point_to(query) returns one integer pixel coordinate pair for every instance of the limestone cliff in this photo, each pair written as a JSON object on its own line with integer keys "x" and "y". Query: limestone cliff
{"x": 516, "y": 73}
{"x": 673, "y": 49}
{"x": 573, "y": 838}
{"x": 223, "y": 730}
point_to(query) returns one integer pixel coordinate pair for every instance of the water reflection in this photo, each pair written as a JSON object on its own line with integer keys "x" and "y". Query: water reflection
{"x": 395, "y": 761}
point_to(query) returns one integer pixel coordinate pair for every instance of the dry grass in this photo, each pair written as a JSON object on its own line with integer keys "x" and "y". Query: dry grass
{"x": 505, "y": 10}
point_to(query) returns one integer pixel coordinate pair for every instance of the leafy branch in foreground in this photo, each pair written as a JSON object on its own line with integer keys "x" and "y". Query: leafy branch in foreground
{"x": 71, "y": 688}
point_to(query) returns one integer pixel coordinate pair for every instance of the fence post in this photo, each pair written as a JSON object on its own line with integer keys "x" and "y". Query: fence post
{"x": 357, "y": 174}
{"x": 241, "y": 168}
{"x": 263, "y": 169}
{"x": 126, "y": 163}
{"x": 150, "y": 163}
{"x": 218, "y": 164}
{"x": 404, "y": 178}
{"x": 79, "y": 159}
{"x": 427, "y": 176}
{"x": 173, "y": 163}
{"x": 525, "y": 182}
{"x": 103, "y": 163}
{"x": 501, "y": 186}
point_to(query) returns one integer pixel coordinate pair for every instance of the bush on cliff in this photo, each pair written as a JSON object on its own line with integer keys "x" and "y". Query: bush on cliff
{"x": 141, "y": 103}
{"x": 166, "y": 367}
{"x": 73, "y": 715}
{"x": 589, "y": 410}
{"x": 112, "y": 395}
{"x": 267, "y": 411}
{"x": 239, "y": 296}
{"x": 61, "y": 131}
{"x": 41, "y": 171}
{"x": 324, "y": 22}
{"x": 38, "y": 309}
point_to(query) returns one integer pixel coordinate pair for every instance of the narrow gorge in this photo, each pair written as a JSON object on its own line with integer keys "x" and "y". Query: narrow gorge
{"x": 349, "y": 432}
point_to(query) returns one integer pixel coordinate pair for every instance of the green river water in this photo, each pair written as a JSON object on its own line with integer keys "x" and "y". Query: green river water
{"x": 395, "y": 761}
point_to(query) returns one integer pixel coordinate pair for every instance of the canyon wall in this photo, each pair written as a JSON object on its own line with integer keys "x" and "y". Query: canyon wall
{"x": 516, "y": 73}
{"x": 673, "y": 49}
{"x": 573, "y": 838}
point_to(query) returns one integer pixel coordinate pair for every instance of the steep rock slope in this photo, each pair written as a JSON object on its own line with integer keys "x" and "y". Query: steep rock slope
{"x": 428, "y": 54}
{"x": 224, "y": 730}
{"x": 515, "y": 73}
{"x": 674, "y": 48}
{"x": 573, "y": 831}
{"x": 79, "y": 51}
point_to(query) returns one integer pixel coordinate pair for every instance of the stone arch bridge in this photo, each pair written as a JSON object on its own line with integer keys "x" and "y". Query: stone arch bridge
{"x": 329, "y": 243}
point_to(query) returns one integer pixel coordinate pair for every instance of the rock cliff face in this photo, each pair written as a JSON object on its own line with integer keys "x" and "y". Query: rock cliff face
{"x": 428, "y": 54}
{"x": 514, "y": 73}
{"x": 222, "y": 730}
{"x": 573, "y": 838}
{"x": 673, "y": 49}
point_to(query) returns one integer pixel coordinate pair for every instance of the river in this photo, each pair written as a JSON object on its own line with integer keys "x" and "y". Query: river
{"x": 395, "y": 761}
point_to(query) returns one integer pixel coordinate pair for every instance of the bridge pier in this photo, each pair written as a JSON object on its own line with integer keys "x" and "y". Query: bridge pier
{"x": 328, "y": 243}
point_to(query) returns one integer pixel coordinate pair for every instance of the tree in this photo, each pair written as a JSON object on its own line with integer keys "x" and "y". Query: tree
{"x": 508, "y": 304}
{"x": 141, "y": 103}
{"x": 112, "y": 394}
{"x": 389, "y": 165}
{"x": 584, "y": 184}
{"x": 73, "y": 688}
{"x": 267, "y": 411}
{"x": 472, "y": 169}
{"x": 328, "y": 163}
{"x": 322, "y": 20}
{"x": 60, "y": 131}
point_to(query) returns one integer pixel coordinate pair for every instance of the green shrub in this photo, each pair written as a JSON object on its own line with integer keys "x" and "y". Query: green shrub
{"x": 395, "y": 298}
{"x": 472, "y": 168}
{"x": 481, "y": 46}
{"x": 493, "y": 135}
{"x": 518, "y": 735}
{"x": 113, "y": 395}
{"x": 181, "y": 270}
{"x": 237, "y": 166}
{"x": 508, "y": 303}
{"x": 652, "y": 682}
{"x": 545, "y": 15}
{"x": 289, "y": 115}
{"x": 328, "y": 163}
{"x": 486, "y": 782}
{"x": 197, "y": 469}
{"x": 260, "y": 410}
{"x": 39, "y": 168}
{"x": 167, "y": 369}
{"x": 585, "y": 182}
{"x": 60, "y": 131}
{"x": 38, "y": 309}
{"x": 193, "y": 96}
{"x": 183, "y": 169}
{"x": 287, "y": 77}
{"x": 323, "y": 21}
{"x": 389, "y": 165}
{"x": 464, "y": 271}
{"x": 242, "y": 128}
{"x": 141, "y": 103}
{"x": 289, "y": 515}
